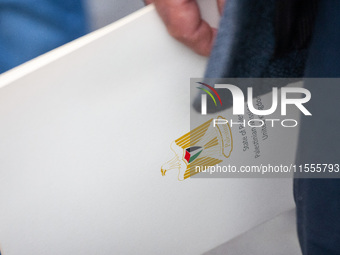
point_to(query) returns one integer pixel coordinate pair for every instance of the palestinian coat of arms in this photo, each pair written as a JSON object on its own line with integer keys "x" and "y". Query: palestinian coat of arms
{"x": 206, "y": 145}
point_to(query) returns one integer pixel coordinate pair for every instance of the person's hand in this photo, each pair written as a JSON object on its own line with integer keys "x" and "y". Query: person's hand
{"x": 184, "y": 22}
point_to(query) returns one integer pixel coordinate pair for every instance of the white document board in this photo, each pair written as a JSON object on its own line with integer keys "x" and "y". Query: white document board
{"x": 84, "y": 131}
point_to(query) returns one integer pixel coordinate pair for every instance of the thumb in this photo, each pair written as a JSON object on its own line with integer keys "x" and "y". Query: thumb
{"x": 220, "y": 5}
